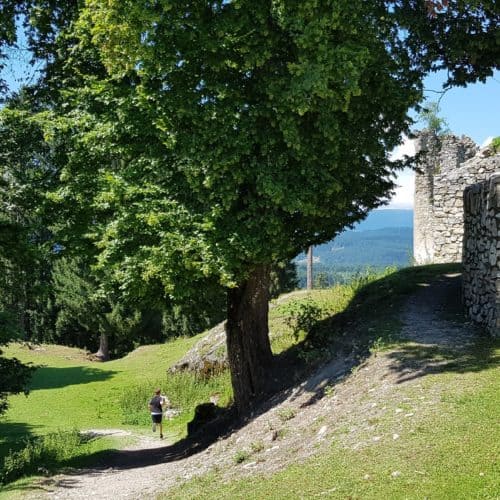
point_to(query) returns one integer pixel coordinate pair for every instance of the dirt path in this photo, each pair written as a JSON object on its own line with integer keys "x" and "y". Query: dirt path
{"x": 303, "y": 420}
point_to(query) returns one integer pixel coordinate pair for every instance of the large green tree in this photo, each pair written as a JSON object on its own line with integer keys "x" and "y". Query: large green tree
{"x": 230, "y": 135}
{"x": 264, "y": 127}
{"x": 26, "y": 173}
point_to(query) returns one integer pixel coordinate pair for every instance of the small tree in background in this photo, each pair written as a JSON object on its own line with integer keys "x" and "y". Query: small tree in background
{"x": 432, "y": 121}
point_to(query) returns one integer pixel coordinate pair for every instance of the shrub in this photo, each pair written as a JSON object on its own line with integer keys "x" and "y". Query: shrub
{"x": 301, "y": 316}
{"x": 257, "y": 446}
{"x": 184, "y": 390}
{"x": 241, "y": 456}
{"x": 48, "y": 451}
{"x": 286, "y": 414}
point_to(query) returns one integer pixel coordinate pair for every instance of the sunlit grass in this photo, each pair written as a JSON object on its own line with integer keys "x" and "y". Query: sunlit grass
{"x": 71, "y": 392}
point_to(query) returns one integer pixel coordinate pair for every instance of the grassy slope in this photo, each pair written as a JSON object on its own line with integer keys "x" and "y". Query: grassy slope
{"x": 69, "y": 391}
{"x": 72, "y": 392}
{"x": 450, "y": 451}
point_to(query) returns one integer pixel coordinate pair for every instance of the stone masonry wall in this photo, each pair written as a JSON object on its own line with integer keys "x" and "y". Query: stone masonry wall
{"x": 447, "y": 165}
{"x": 481, "y": 253}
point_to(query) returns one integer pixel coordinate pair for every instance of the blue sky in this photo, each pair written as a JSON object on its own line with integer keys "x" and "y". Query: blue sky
{"x": 474, "y": 110}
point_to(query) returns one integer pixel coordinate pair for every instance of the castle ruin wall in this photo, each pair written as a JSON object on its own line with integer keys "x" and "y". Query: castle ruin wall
{"x": 481, "y": 253}
{"x": 447, "y": 165}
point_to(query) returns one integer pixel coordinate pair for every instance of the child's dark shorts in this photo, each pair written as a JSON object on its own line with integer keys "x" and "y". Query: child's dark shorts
{"x": 156, "y": 418}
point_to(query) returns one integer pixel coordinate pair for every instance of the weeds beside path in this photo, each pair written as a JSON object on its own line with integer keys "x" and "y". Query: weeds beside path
{"x": 413, "y": 420}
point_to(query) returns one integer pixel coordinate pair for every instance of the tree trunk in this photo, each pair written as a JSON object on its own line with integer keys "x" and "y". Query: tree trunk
{"x": 103, "y": 352}
{"x": 310, "y": 268}
{"x": 247, "y": 334}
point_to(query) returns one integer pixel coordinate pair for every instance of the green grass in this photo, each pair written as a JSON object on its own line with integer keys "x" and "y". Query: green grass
{"x": 449, "y": 449}
{"x": 70, "y": 392}
{"x": 184, "y": 391}
{"x": 50, "y": 452}
{"x": 75, "y": 385}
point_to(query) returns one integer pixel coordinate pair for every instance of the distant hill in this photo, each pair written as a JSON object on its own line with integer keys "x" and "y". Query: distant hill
{"x": 384, "y": 238}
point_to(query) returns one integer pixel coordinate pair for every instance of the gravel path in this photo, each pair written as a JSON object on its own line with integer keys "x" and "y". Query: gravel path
{"x": 298, "y": 422}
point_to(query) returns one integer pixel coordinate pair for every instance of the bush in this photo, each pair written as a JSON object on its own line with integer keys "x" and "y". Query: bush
{"x": 301, "y": 316}
{"x": 45, "y": 452}
{"x": 184, "y": 390}
{"x": 241, "y": 456}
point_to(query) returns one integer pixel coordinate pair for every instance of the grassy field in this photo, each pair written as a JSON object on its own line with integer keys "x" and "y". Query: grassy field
{"x": 70, "y": 392}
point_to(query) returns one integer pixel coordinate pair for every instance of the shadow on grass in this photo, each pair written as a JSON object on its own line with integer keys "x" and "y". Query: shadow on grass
{"x": 12, "y": 436}
{"x": 333, "y": 349}
{"x": 413, "y": 361}
{"x": 373, "y": 321}
{"x": 101, "y": 462}
{"x": 54, "y": 377}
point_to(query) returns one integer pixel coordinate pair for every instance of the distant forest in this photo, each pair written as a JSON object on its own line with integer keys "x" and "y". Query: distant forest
{"x": 369, "y": 245}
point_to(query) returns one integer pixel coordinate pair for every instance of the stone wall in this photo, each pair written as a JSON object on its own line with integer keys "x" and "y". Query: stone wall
{"x": 448, "y": 164}
{"x": 481, "y": 253}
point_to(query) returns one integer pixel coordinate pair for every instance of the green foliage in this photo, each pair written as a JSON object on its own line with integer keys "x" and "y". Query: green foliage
{"x": 170, "y": 225}
{"x": 321, "y": 280}
{"x": 286, "y": 414}
{"x": 257, "y": 446}
{"x": 329, "y": 390}
{"x": 241, "y": 456}
{"x": 41, "y": 454}
{"x": 301, "y": 316}
{"x": 431, "y": 119}
{"x": 86, "y": 309}
{"x": 26, "y": 173}
{"x": 83, "y": 307}
{"x": 184, "y": 390}
{"x": 495, "y": 144}
{"x": 25, "y": 253}
{"x": 15, "y": 377}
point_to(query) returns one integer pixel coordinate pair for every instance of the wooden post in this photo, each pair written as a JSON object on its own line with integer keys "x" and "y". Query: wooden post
{"x": 310, "y": 268}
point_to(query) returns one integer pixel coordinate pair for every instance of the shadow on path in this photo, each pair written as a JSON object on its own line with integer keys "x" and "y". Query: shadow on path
{"x": 434, "y": 338}
{"x": 440, "y": 339}
{"x": 432, "y": 333}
